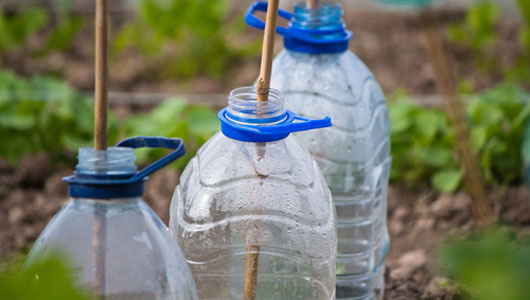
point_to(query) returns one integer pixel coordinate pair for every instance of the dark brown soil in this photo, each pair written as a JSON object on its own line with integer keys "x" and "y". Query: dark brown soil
{"x": 419, "y": 221}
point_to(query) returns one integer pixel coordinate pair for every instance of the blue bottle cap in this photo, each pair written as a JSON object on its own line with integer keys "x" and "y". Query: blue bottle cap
{"x": 123, "y": 181}
{"x": 327, "y": 37}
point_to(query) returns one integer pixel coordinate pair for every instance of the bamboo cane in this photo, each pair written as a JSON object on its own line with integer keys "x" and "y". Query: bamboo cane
{"x": 482, "y": 211}
{"x": 313, "y": 4}
{"x": 100, "y": 137}
{"x": 262, "y": 88}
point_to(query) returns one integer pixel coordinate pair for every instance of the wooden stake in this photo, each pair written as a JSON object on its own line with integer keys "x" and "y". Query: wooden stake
{"x": 262, "y": 88}
{"x": 482, "y": 210}
{"x": 264, "y": 80}
{"x": 101, "y": 79}
{"x": 100, "y": 138}
{"x": 313, "y": 4}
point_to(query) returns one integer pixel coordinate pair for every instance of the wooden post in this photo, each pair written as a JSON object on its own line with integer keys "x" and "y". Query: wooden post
{"x": 313, "y": 4}
{"x": 262, "y": 88}
{"x": 100, "y": 137}
{"x": 482, "y": 210}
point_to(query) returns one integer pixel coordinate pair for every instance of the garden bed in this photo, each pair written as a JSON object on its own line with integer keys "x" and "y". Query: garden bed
{"x": 419, "y": 220}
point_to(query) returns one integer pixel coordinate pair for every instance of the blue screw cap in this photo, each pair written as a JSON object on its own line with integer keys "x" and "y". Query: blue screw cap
{"x": 106, "y": 186}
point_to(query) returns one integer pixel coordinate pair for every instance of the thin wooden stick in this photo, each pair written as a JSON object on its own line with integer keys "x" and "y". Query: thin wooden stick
{"x": 101, "y": 79}
{"x": 313, "y": 4}
{"x": 262, "y": 88}
{"x": 482, "y": 210}
{"x": 100, "y": 138}
{"x": 264, "y": 80}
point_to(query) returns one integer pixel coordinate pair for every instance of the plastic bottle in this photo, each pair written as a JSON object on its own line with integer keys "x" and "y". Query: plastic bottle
{"x": 319, "y": 76}
{"x": 115, "y": 244}
{"x": 253, "y": 189}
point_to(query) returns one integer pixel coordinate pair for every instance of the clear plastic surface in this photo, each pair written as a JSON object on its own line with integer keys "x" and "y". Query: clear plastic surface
{"x": 353, "y": 155}
{"x": 117, "y": 249}
{"x": 234, "y": 195}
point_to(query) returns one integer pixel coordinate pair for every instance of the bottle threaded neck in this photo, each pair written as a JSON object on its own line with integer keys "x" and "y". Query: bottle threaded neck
{"x": 113, "y": 161}
{"x": 327, "y": 16}
{"x": 244, "y": 107}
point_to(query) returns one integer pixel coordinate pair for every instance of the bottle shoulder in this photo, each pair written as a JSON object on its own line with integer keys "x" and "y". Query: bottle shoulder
{"x": 229, "y": 174}
{"x": 342, "y": 78}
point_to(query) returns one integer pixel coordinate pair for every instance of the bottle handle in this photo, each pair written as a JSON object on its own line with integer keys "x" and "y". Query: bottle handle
{"x": 303, "y": 125}
{"x": 155, "y": 142}
{"x": 255, "y": 22}
{"x": 305, "y": 35}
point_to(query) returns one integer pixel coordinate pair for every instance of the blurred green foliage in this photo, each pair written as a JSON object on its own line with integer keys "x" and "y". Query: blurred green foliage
{"x": 489, "y": 265}
{"x": 423, "y": 141}
{"x": 53, "y": 283}
{"x": 479, "y": 33}
{"x": 45, "y": 114}
{"x": 17, "y": 28}
{"x": 195, "y": 124}
{"x": 198, "y": 30}
{"x": 65, "y": 30}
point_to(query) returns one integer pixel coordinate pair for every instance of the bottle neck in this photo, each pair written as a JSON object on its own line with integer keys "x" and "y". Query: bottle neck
{"x": 113, "y": 161}
{"x": 317, "y": 31}
{"x": 244, "y": 107}
{"x": 328, "y": 16}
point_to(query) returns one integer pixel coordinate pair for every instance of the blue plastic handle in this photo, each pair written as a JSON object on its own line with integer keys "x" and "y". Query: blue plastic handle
{"x": 255, "y": 22}
{"x": 154, "y": 142}
{"x": 306, "y": 124}
{"x": 257, "y": 134}
{"x": 292, "y": 32}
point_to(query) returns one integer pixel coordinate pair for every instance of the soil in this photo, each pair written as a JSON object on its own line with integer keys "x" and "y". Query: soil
{"x": 389, "y": 42}
{"x": 419, "y": 220}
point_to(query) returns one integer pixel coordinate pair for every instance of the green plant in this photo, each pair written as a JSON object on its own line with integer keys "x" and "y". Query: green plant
{"x": 65, "y": 30}
{"x": 520, "y": 71}
{"x": 43, "y": 114}
{"x": 174, "y": 118}
{"x": 196, "y": 34}
{"x": 17, "y": 28}
{"x": 478, "y": 32}
{"x": 423, "y": 142}
{"x": 54, "y": 282}
{"x": 490, "y": 265}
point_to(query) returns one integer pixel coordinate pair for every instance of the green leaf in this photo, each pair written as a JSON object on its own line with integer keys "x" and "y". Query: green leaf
{"x": 478, "y": 137}
{"x": 447, "y": 181}
{"x": 46, "y": 279}
{"x": 203, "y": 121}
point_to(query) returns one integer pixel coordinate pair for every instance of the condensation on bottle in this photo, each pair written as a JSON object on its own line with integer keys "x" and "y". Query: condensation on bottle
{"x": 117, "y": 248}
{"x": 318, "y": 78}
{"x": 269, "y": 197}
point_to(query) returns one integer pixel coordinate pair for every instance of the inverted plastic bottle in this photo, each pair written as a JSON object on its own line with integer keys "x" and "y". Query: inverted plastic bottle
{"x": 253, "y": 185}
{"x": 115, "y": 244}
{"x": 319, "y": 76}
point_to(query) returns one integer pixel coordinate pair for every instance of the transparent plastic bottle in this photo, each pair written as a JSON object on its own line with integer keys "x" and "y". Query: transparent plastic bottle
{"x": 117, "y": 248}
{"x": 319, "y": 76}
{"x": 252, "y": 189}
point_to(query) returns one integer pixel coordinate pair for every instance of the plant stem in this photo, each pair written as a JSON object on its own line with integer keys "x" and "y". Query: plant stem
{"x": 482, "y": 210}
